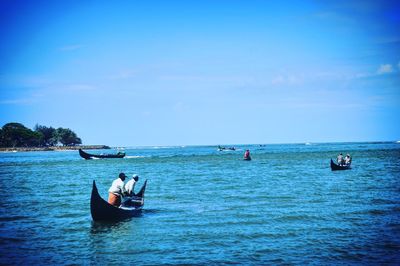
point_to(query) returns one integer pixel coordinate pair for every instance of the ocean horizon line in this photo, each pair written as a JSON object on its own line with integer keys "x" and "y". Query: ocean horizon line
{"x": 119, "y": 147}
{"x": 250, "y": 144}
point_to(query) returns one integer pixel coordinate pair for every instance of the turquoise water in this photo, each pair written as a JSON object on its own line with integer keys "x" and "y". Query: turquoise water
{"x": 205, "y": 206}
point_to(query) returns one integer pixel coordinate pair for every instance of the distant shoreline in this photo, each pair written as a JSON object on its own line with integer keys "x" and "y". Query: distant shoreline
{"x": 55, "y": 148}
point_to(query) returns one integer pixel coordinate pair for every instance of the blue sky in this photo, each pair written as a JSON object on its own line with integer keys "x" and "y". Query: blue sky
{"x": 133, "y": 73}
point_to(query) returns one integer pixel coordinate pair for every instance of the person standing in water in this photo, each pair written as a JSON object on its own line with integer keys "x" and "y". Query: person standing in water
{"x": 247, "y": 155}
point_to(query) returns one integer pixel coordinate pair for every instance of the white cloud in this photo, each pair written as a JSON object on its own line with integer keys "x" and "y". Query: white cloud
{"x": 17, "y": 101}
{"x": 278, "y": 80}
{"x": 293, "y": 79}
{"x": 179, "y": 107}
{"x": 334, "y": 16}
{"x": 384, "y": 69}
{"x": 361, "y": 75}
{"x": 124, "y": 74}
{"x": 288, "y": 79}
{"x": 146, "y": 113}
{"x": 78, "y": 87}
{"x": 15, "y": 80}
{"x": 388, "y": 40}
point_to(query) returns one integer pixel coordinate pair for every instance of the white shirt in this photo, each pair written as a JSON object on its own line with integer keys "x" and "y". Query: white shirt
{"x": 117, "y": 187}
{"x": 130, "y": 186}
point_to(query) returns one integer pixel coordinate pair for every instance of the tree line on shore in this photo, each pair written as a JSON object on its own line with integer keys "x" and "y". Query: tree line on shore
{"x": 17, "y": 135}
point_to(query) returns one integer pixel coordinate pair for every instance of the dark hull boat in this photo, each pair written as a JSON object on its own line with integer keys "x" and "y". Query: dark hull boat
{"x": 101, "y": 210}
{"x": 88, "y": 156}
{"x": 339, "y": 167}
{"x": 226, "y": 149}
{"x": 247, "y": 158}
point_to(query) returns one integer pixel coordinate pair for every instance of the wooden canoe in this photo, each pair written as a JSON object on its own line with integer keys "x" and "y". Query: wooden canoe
{"x": 101, "y": 210}
{"x": 335, "y": 167}
{"x": 88, "y": 156}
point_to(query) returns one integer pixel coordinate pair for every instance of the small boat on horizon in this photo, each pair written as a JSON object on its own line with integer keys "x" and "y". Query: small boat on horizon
{"x": 225, "y": 148}
{"x": 88, "y": 156}
{"x": 101, "y": 210}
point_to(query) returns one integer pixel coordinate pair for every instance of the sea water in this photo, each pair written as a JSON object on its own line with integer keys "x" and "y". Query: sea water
{"x": 204, "y": 206}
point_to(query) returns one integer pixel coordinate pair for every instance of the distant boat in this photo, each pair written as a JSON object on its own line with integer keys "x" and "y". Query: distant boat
{"x": 248, "y": 158}
{"x": 339, "y": 167}
{"x": 101, "y": 210}
{"x": 224, "y": 148}
{"x": 88, "y": 156}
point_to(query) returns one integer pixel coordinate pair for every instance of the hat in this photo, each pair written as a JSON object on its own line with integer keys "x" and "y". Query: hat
{"x": 122, "y": 175}
{"x": 135, "y": 176}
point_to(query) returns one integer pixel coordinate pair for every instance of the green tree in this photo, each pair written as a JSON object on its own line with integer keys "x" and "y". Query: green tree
{"x": 2, "y": 142}
{"x": 17, "y": 135}
{"x": 49, "y": 133}
{"x": 67, "y": 137}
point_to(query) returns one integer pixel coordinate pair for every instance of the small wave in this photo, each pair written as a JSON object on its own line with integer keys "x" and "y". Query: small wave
{"x": 68, "y": 215}
{"x": 134, "y": 156}
{"x": 164, "y": 147}
{"x": 11, "y": 240}
{"x": 377, "y": 212}
{"x": 309, "y": 144}
{"x": 358, "y": 213}
{"x": 382, "y": 201}
{"x": 151, "y": 211}
{"x": 13, "y": 218}
{"x": 298, "y": 218}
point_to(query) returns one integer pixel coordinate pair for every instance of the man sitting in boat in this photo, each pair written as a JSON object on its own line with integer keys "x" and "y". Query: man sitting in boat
{"x": 130, "y": 199}
{"x": 347, "y": 159}
{"x": 340, "y": 159}
{"x": 117, "y": 190}
{"x": 129, "y": 187}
